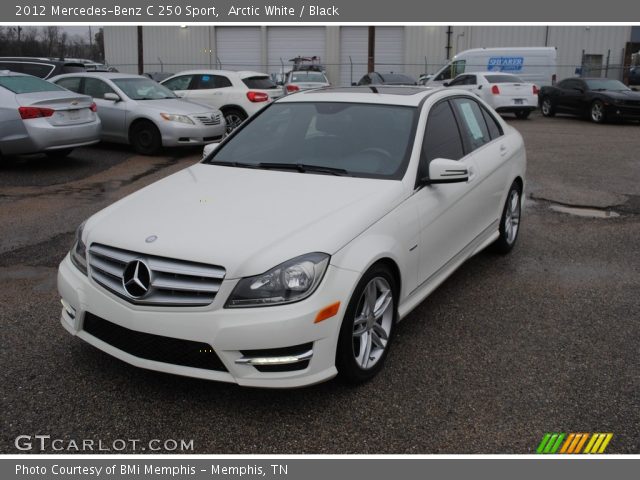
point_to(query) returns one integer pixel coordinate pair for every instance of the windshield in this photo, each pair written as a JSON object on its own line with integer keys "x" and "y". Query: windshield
{"x": 397, "y": 78}
{"x": 503, "y": 79}
{"x": 143, "y": 89}
{"x": 24, "y": 84}
{"x": 317, "y": 77}
{"x": 605, "y": 84}
{"x": 354, "y": 139}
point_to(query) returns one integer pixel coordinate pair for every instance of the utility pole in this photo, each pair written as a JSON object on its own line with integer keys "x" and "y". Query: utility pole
{"x": 371, "y": 51}
{"x": 140, "y": 52}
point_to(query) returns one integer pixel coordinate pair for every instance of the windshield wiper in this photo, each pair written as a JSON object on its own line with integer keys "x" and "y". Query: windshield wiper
{"x": 303, "y": 168}
{"x": 235, "y": 164}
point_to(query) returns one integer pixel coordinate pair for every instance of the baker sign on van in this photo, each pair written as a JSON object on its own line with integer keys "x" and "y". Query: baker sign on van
{"x": 505, "y": 64}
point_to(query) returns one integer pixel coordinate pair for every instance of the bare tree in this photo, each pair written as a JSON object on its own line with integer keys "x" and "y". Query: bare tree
{"x": 50, "y": 36}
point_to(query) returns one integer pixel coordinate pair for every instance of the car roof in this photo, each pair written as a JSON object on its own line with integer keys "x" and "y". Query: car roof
{"x": 240, "y": 73}
{"x": 411, "y": 96}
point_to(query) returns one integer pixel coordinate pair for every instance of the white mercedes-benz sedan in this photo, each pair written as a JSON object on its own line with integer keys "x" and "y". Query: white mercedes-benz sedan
{"x": 290, "y": 252}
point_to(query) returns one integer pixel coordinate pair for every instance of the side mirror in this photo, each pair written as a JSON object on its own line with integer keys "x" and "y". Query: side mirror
{"x": 208, "y": 149}
{"x": 479, "y": 87}
{"x": 354, "y": 84}
{"x": 179, "y": 94}
{"x": 442, "y": 170}
{"x": 635, "y": 89}
{"x": 112, "y": 97}
{"x": 446, "y": 84}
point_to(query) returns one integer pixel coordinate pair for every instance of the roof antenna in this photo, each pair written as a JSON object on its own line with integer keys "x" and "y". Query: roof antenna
{"x": 373, "y": 89}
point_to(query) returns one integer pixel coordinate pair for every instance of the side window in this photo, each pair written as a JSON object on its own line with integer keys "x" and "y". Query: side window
{"x": 178, "y": 83}
{"x": 96, "y": 88}
{"x": 71, "y": 83}
{"x": 472, "y": 123}
{"x": 441, "y": 137}
{"x": 222, "y": 82}
{"x": 205, "y": 82}
{"x": 12, "y": 66}
{"x": 495, "y": 130}
{"x": 37, "y": 70}
{"x": 471, "y": 80}
{"x": 458, "y": 81}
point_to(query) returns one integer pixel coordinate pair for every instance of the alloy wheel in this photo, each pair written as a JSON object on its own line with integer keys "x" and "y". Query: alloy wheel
{"x": 512, "y": 219}
{"x": 372, "y": 326}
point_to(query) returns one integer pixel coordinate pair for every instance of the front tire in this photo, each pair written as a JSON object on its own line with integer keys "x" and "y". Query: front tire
{"x": 510, "y": 220}
{"x": 547, "y": 108}
{"x": 145, "y": 138}
{"x": 596, "y": 112}
{"x": 367, "y": 327}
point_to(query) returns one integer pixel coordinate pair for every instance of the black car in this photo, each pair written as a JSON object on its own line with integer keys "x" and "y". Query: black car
{"x": 40, "y": 67}
{"x": 599, "y": 99}
{"x": 375, "y": 78}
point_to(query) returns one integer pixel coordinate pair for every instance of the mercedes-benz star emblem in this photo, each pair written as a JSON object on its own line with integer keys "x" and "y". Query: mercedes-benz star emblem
{"x": 136, "y": 279}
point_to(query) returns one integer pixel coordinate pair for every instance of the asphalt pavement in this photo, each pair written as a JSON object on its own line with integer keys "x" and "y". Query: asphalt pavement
{"x": 544, "y": 339}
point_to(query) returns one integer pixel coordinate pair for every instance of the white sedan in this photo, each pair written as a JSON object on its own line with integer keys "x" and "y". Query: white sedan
{"x": 290, "y": 252}
{"x": 505, "y": 92}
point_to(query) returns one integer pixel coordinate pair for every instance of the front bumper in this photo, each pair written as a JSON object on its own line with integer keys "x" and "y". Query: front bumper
{"x": 176, "y": 134}
{"x": 622, "y": 112}
{"x": 238, "y": 337}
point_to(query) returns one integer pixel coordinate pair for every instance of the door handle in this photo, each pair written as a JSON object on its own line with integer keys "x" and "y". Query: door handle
{"x": 503, "y": 150}
{"x": 471, "y": 172}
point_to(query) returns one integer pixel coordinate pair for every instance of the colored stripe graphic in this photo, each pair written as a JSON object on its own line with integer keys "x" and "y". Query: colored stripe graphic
{"x": 573, "y": 443}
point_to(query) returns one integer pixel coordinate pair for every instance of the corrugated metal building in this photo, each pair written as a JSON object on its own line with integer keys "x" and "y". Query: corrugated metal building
{"x": 343, "y": 49}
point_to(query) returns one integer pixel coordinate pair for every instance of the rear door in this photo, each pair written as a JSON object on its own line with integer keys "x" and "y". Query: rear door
{"x": 488, "y": 152}
{"x": 212, "y": 90}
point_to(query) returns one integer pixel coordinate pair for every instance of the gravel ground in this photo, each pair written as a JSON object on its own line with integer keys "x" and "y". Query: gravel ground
{"x": 508, "y": 348}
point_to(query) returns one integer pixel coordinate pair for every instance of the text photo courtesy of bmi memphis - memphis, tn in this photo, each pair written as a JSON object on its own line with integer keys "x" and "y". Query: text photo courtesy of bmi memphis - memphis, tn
{"x": 285, "y": 238}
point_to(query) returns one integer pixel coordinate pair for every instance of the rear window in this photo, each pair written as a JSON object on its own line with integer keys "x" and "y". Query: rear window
{"x": 396, "y": 78}
{"x": 308, "y": 77}
{"x": 73, "y": 68}
{"x": 503, "y": 79}
{"x": 263, "y": 83}
{"x": 20, "y": 84}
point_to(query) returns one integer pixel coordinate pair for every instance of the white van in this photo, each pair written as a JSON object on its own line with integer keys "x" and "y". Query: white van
{"x": 532, "y": 64}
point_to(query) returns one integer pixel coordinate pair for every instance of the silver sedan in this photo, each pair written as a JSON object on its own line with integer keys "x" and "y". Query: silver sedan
{"x": 36, "y": 116}
{"x": 138, "y": 111}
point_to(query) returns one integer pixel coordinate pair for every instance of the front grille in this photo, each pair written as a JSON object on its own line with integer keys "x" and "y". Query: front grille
{"x": 171, "y": 282}
{"x": 213, "y": 119}
{"x": 153, "y": 347}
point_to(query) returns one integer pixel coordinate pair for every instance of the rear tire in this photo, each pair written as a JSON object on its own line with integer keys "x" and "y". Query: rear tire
{"x": 233, "y": 118}
{"x": 145, "y": 138}
{"x": 523, "y": 114}
{"x": 547, "y": 108}
{"x": 367, "y": 331}
{"x": 59, "y": 154}
{"x": 510, "y": 220}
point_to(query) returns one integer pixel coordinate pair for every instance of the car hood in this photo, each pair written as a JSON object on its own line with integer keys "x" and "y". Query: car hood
{"x": 622, "y": 95}
{"x": 244, "y": 220}
{"x": 175, "y": 105}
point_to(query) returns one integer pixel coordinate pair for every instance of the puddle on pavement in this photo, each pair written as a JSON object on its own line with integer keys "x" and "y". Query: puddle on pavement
{"x": 585, "y": 212}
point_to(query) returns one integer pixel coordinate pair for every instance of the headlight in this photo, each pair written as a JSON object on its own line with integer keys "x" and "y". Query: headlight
{"x": 172, "y": 117}
{"x": 79, "y": 251}
{"x": 289, "y": 282}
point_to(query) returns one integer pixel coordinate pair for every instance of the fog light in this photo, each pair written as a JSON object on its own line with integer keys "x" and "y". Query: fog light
{"x": 68, "y": 309}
